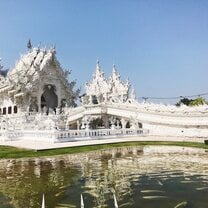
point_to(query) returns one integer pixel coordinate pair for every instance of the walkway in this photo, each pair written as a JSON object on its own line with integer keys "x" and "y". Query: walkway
{"x": 37, "y": 145}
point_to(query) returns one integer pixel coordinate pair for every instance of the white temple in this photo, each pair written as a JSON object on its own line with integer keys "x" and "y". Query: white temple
{"x": 37, "y": 101}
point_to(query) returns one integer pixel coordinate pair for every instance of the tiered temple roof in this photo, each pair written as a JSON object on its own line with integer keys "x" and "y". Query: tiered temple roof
{"x": 113, "y": 87}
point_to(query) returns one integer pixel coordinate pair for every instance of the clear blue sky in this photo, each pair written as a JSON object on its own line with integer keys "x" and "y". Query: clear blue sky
{"x": 161, "y": 45}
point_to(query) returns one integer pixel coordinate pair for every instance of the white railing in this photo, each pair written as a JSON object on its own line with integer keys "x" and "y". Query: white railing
{"x": 37, "y": 135}
{"x": 99, "y": 133}
{"x": 68, "y": 135}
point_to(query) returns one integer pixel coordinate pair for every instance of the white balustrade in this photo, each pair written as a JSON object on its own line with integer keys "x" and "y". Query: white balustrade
{"x": 66, "y": 135}
{"x": 99, "y": 133}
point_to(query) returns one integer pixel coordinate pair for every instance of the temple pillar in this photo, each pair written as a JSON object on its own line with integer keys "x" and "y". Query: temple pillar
{"x": 106, "y": 122}
{"x": 105, "y": 97}
{"x": 98, "y": 99}
{"x": 78, "y": 123}
{"x": 90, "y": 99}
{"x": 58, "y": 93}
{"x": 83, "y": 124}
{"x": 67, "y": 126}
{"x": 112, "y": 124}
{"x": 123, "y": 123}
{"x": 39, "y": 99}
{"x": 122, "y": 98}
{"x": 87, "y": 125}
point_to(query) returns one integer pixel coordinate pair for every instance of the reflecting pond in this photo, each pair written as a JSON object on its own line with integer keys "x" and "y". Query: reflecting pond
{"x": 140, "y": 177}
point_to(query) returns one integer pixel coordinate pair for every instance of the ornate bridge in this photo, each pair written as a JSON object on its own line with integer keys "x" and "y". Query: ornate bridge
{"x": 118, "y": 119}
{"x": 159, "y": 119}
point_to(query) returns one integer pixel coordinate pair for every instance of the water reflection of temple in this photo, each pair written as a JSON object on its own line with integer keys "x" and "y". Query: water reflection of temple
{"x": 97, "y": 175}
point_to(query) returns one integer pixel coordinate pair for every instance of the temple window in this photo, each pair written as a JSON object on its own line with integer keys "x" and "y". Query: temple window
{"x": 140, "y": 125}
{"x": 94, "y": 99}
{"x": 15, "y": 109}
{"x": 128, "y": 125}
{"x": 4, "y": 111}
{"x": 9, "y": 110}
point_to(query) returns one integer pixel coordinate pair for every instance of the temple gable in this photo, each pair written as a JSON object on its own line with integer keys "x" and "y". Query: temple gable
{"x": 36, "y": 81}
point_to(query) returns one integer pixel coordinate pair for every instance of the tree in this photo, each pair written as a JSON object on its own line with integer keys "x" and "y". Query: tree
{"x": 191, "y": 102}
{"x": 198, "y": 101}
{"x": 183, "y": 101}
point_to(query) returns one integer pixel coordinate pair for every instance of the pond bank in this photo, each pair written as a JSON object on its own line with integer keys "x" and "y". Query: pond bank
{"x": 19, "y": 149}
{"x": 41, "y": 145}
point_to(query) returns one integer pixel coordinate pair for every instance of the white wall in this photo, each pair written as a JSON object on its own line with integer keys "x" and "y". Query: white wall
{"x": 164, "y": 130}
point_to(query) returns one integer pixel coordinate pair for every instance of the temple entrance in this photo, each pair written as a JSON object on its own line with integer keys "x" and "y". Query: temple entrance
{"x": 140, "y": 125}
{"x": 49, "y": 99}
{"x": 128, "y": 125}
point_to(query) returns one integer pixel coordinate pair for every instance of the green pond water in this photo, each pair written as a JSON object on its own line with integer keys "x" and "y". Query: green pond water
{"x": 140, "y": 177}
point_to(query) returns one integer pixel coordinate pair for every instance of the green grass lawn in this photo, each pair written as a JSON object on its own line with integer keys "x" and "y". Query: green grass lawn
{"x": 12, "y": 152}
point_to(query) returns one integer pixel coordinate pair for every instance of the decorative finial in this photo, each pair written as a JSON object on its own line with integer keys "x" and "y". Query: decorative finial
{"x": 133, "y": 94}
{"x": 98, "y": 64}
{"x": 128, "y": 83}
{"x": 53, "y": 49}
{"x": 1, "y": 67}
{"x": 39, "y": 44}
{"x": 114, "y": 68}
{"x": 29, "y": 45}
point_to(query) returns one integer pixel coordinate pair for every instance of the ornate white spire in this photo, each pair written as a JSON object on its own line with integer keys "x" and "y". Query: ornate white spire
{"x": 118, "y": 88}
{"x": 114, "y": 68}
{"x": 98, "y": 85}
{"x": 113, "y": 87}
{"x": 98, "y": 63}
{"x": 99, "y": 74}
{"x": 133, "y": 94}
{"x": 115, "y": 76}
{"x": 98, "y": 67}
